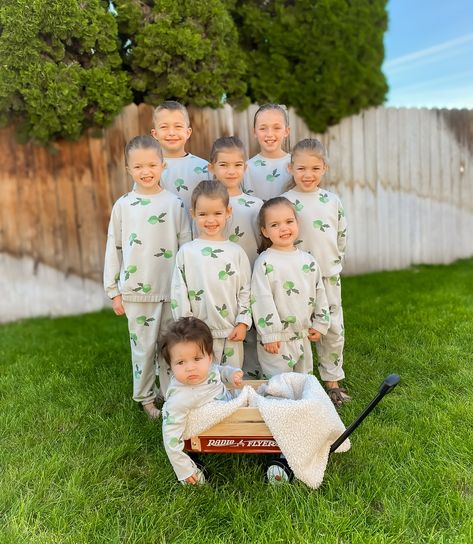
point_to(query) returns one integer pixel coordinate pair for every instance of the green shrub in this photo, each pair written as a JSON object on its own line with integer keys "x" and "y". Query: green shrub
{"x": 323, "y": 57}
{"x": 61, "y": 68}
{"x": 67, "y": 66}
{"x": 187, "y": 51}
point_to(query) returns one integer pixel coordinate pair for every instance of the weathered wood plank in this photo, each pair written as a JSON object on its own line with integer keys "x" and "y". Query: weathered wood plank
{"x": 50, "y": 247}
{"x": 10, "y": 232}
{"x": 26, "y": 209}
{"x": 360, "y": 206}
{"x": 200, "y": 141}
{"x": 115, "y": 142}
{"x": 382, "y": 190}
{"x": 445, "y": 190}
{"x": 354, "y": 236}
{"x": 91, "y": 236}
{"x": 145, "y": 118}
{"x": 393, "y": 186}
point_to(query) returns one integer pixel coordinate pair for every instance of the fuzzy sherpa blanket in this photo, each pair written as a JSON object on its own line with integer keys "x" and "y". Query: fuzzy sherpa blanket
{"x": 299, "y": 414}
{"x": 303, "y": 421}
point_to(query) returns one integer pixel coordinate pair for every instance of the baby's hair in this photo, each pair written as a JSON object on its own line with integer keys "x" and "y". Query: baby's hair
{"x": 265, "y": 242}
{"x": 211, "y": 188}
{"x": 172, "y": 105}
{"x": 187, "y": 329}
{"x": 142, "y": 142}
{"x": 226, "y": 142}
{"x": 270, "y": 106}
{"x": 311, "y": 146}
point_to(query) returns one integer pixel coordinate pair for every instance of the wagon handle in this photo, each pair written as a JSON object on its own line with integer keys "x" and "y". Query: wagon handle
{"x": 386, "y": 387}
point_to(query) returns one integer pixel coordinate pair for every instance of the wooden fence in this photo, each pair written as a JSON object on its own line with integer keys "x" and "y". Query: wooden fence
{"x": 405, "y": 177}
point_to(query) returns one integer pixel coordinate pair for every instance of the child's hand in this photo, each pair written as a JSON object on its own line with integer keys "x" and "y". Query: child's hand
{"x": 238, "y": 333}
{"x": 272, "y": 347}
{"x": 237, "y": 378}
{"x": 117, "y": 305}
{"x": 194, "y": 479}
{"x": 314, "y": 336}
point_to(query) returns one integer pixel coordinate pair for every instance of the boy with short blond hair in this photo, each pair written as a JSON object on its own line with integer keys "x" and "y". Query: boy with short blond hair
{"x": 184, "y": 171}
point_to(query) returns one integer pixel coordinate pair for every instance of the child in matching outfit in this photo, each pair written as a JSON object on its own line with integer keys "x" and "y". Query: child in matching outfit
{"x": 267, "y": 174}
{"x": 227, "y": 164}
{"x": 323, "y": 234}
{"x": 289, "y": 305}
{"x": 146, "y": 227}
{"x": 196, "y": 381}
{"x": 171, "y": 127}
{"x": 212, "y": 276}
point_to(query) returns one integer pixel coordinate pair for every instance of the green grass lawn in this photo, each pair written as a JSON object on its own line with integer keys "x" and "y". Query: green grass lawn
{"x": 79, "y": 463}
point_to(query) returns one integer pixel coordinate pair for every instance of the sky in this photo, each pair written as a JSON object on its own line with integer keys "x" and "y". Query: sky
{"x": 429, "y": 53}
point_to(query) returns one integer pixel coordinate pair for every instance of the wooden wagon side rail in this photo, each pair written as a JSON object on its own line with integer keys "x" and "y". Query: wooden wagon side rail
{"x": 244, "y": 431}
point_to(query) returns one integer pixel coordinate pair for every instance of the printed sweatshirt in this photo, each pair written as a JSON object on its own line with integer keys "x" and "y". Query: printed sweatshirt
{"x": 183, "y": 174}
{"x": 211, "y": 281}
{"x": 288, "y": 296}
{"x": 266, "y": 178}
{"x": 144, "y": 235}
{"x": 242, "y": 228}
{"x": 322, "y": 228}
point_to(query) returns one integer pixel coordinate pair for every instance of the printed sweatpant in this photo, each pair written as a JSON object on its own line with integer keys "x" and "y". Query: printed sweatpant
{"x": 293, "y": 356}
{"x": 227, "y": 352}
{"x": 330, "y": 347}
{"x": 147, "y": 324}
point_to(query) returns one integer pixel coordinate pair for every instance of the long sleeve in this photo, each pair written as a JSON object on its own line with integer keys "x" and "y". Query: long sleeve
{"x": 341, "y": 231}
{"x": 113, "y": 254}
{"x": 181, "y": 399}
{"x": 226, "y": 373}
{"x": 242, "y": 228}
{"x": 244, "y": 292}
{"x": 180, "y": 303}
{"x": 184, "y": 232}
{"x": 265, "y": 314}
{"x": 142, "y": 243}
{"x": 174, "y": 422}
{"x": 321, "y": 315}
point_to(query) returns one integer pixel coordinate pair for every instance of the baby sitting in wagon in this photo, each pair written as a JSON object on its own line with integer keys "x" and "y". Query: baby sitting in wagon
{"x": 197, "y": 380}
{"x": 294, "y": 414}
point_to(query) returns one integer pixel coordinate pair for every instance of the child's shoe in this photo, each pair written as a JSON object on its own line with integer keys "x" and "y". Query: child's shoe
{"x": 338, "y": 395}
{"x": 151, "y": 410}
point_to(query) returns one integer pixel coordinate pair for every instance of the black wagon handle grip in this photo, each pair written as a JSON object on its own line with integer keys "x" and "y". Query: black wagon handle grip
{"x": 386, "y": 387}
{"x": 389, "y": 384}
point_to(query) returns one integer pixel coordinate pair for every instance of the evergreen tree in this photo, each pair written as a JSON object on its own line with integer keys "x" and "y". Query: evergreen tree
{"x": 60, "y": 69}
{"x": 67, "y": 65}
{"x": 187, "y": 51}
{"x": 323, "y": 57}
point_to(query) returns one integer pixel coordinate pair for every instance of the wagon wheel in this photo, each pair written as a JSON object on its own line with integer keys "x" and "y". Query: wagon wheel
{"x": 278, "y": 471}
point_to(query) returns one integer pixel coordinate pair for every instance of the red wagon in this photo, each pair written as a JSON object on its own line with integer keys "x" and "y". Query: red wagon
{"x": 245, "y": 431}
